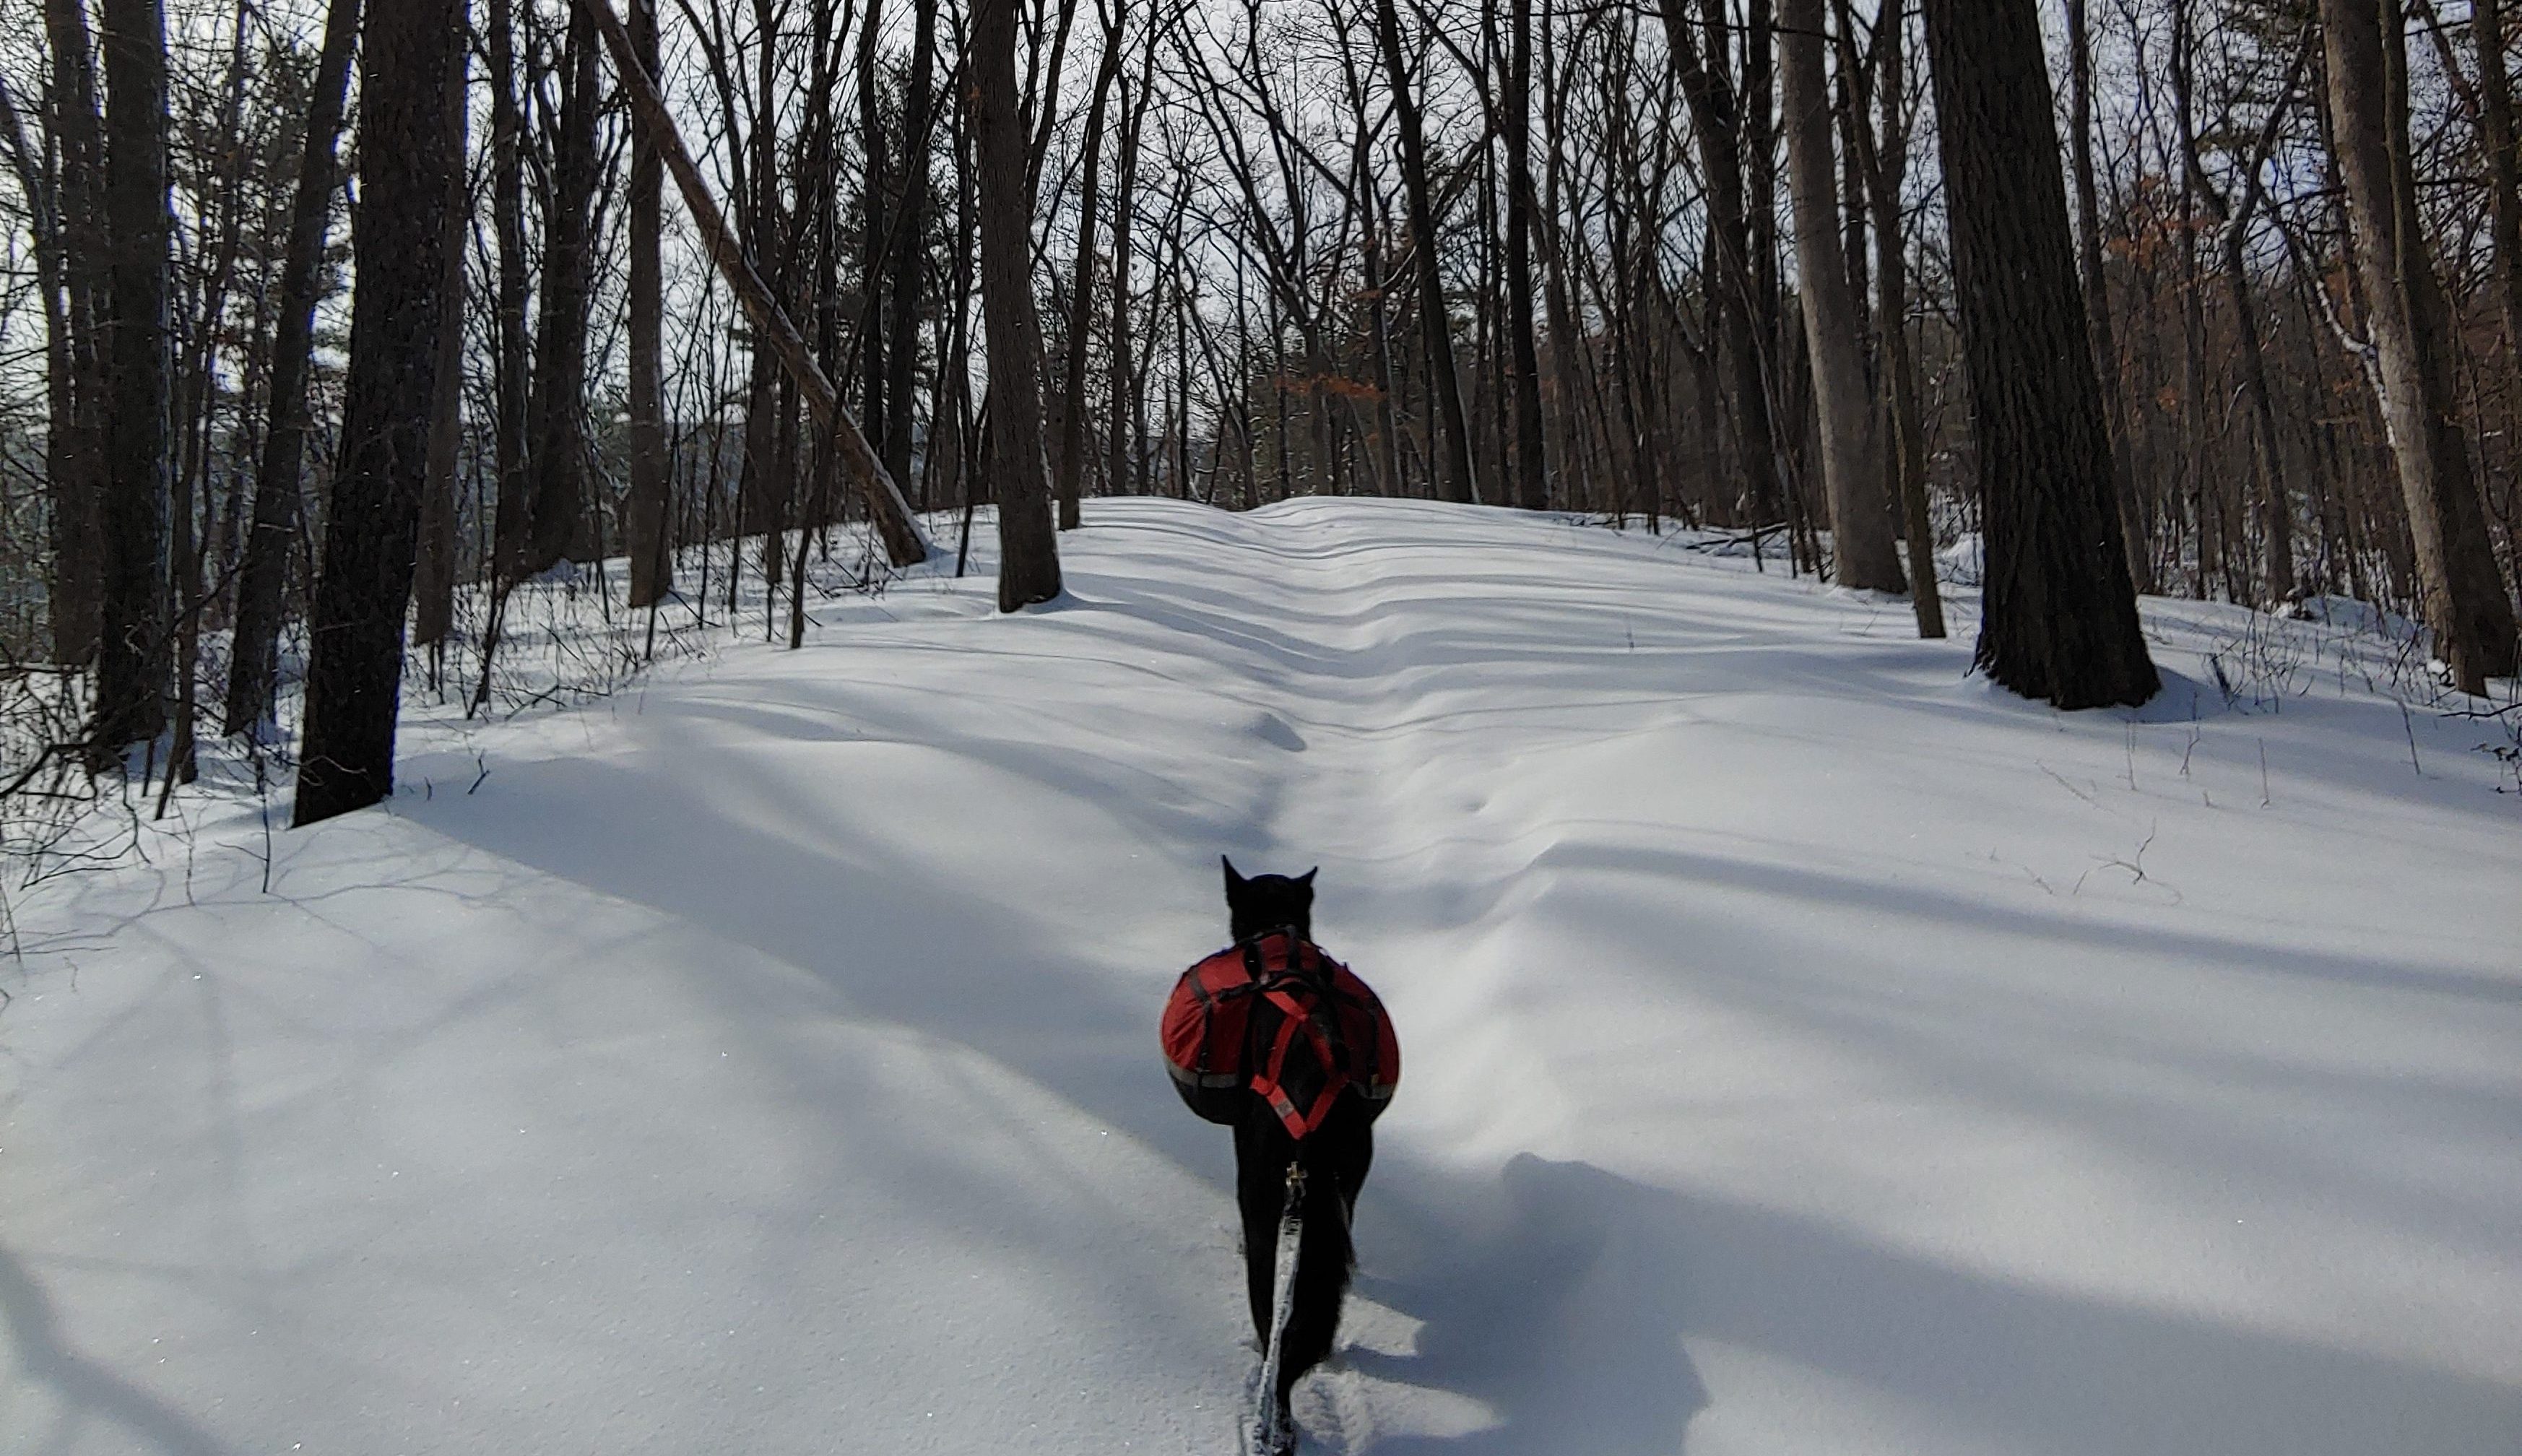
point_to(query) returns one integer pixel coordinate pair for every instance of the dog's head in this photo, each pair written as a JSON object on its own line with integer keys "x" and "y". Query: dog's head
{"x": 1263, "y": 903}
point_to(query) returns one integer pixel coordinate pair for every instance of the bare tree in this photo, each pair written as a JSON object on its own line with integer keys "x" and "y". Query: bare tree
{"x": 2503, "y": 162}
{"x": 434, "y": 568}
{"x": 1081, "y": 295}
{"x": 775, "y": 333}
{"x": 1028, "y": 542}
{"x": 1717, "y": 128}
{"x": 1860, "y": 518}
{"x": 556, "y": 410}
{"x": 261, "y": 581}
{"x": 1436, "y": 324}
{"x": 1533, "y": 475}
{"x": 75, "y": 439}
{"x": 1302, "y": 248}
{"x": 1881, "y": 163}
{"x": 911, "y": 239}
{"x": 652, "y": 562}
{"x": 132, "y": 659}
{"x": 2411, "y": 366}
{"x": 2097, "y": 300}
{"x": 2058, "y": 619}
{"x": 364, "y": 585}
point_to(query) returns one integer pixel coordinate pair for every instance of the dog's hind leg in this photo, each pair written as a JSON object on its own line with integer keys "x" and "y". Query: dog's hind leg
{"x": 1336, "y": 1159}
{"x": 1262, "y": 1151}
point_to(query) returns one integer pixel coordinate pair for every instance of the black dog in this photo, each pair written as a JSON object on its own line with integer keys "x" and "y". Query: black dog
{"x": 1335, "y": 1159}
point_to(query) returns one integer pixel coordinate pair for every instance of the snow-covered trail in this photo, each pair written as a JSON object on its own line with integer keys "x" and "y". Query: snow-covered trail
{"x": 1808, "y": 1049}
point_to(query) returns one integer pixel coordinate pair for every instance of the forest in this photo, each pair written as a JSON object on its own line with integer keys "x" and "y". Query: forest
{"x": 1693, "y": 265}
{"x": 1851, "y": 670}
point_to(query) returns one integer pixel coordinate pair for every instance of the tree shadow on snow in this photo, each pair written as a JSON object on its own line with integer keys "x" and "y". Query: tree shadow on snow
{"x": 1571, "y": 1328}
{"x": 44, "y": 1355}
{"x": 2044, "y": 1370}
{"x": 1565, "y": 1325}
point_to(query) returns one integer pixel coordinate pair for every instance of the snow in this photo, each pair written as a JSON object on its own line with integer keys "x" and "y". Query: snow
{"x": 1809, "y": 1048}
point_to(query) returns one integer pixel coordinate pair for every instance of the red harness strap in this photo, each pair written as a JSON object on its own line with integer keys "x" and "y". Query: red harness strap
{"x": 1278, "y": 1017}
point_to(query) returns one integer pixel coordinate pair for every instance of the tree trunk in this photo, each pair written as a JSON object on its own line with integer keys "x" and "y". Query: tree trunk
{"x": 1770, "y": 343}
{"x": 354, "y": 669}
{"x": 1388, "y": 428}
{"x": 1532, "y": 476}
{"x": 513, "y": 508}
{"x": 652, "y": 561}
{"x": 911, "y": 242}
{"x": 433, "y": 568}
{"x": 556, "y": 429}
{"x": 1860, "y": 521}
{"x": 1455, "y": 482}
{"x": 1081, "y": 298}
{"x": 1882, "y": 166}
{"x": 516, "y": 506}
{"x": 872, "y": 260}
{"x": 904, "y": 544}
{"x": 2504, "y": 194}
{"x": 2206, "y": 483}
{"x": 1122, "y": 462}
{"x": 1575, "y": 483}
{"x": 956, "y": 453}
{"x": 2233, "y": 224}
{"x": 2097, "y": 297}
{"x": 133, "y": 649}
{"x": 76, "y": 457}
{"x": 1716, "y": 125}
{"x": 2463, "y": 596}
{"x": 64, "y": 475}
{"x": 2058, "y": 616}
{"x": 1028, "y": 544}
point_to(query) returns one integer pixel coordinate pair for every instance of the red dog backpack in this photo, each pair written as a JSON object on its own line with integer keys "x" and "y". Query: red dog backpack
{"x": 1278, "y": 1018}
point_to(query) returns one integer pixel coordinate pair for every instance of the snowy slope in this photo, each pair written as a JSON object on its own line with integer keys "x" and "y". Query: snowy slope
{"x": 1808, "y": 1049}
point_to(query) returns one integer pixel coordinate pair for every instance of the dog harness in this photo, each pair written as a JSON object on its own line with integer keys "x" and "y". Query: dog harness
{"x": 1276, "y": 1017}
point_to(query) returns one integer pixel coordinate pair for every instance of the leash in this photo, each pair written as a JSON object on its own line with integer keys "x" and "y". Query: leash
{"x": 1274, "y": 1427}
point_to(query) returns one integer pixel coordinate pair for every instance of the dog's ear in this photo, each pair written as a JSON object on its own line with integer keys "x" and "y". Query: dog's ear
{"x": 1307, "y": 878}
{"x": 1234, "y": 882}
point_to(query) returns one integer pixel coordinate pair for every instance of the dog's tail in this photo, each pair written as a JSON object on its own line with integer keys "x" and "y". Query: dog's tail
{"x": 1323, "y": 1260}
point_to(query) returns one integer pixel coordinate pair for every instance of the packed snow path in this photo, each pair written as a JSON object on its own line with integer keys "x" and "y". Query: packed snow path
{"x": 1808, "y": 1048}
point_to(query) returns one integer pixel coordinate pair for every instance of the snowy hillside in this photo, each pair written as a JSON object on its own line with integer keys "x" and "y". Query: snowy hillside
{"x": 1808, "y": 1048}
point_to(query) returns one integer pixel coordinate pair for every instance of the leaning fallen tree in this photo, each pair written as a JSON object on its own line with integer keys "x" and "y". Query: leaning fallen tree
{"x": 904, "y": 543}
